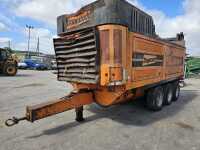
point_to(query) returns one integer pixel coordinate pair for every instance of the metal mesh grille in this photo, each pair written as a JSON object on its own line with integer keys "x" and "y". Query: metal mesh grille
{"x": 76, "y": 56}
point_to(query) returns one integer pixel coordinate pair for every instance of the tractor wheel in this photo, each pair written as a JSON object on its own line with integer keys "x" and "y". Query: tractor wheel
{"x": 176, "y": 93}
{"x": 168, "y": 91}
{"x": 155, "y": 99}
{"x": 10, "y": 70}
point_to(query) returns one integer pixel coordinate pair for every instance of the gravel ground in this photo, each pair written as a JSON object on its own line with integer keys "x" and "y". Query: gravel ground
{"x": 123, "y": 127}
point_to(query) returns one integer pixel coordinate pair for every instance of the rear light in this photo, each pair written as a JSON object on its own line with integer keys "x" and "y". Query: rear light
{"x": 117, "y": 46}
{"x": 104, "y": 46}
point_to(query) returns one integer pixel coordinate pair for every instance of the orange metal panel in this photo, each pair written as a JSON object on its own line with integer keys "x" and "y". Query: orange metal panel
{"x": 106, "y": 97}
{"x": 112, "y": 69}
{"x": 105, "y": 75}
{"x": 117, "y": 46}
{"x": 105, "y": 46}
{"x": 79, "y": 86}
{"x": 116, "y": 74}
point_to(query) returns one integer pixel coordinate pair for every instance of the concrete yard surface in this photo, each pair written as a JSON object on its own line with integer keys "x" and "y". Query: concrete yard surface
{"x": 128, "y": 126}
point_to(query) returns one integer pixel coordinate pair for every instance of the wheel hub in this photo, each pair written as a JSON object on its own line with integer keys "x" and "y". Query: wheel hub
{"x": 11, "y": 70}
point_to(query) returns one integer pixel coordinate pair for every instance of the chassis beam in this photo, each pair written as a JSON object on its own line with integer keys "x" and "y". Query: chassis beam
{"x": 73, "y": 101}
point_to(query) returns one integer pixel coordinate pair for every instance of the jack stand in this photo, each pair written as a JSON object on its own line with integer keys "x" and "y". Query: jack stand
{"x": 79, "y": 114}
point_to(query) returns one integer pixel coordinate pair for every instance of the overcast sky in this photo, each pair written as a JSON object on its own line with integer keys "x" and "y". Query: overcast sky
{"x": 170, "y": 16}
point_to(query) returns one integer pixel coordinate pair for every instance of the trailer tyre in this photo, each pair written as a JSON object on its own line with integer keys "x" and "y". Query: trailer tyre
{"x": 168, "y": 97}
{"x": 176, "y": 92}
{"x": 155, "y": 99}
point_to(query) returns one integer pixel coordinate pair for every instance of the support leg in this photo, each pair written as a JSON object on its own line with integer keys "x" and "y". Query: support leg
{"x": 79, "y": 114}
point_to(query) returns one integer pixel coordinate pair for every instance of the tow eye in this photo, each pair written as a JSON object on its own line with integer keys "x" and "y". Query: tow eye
{"x": 14, "y": 121}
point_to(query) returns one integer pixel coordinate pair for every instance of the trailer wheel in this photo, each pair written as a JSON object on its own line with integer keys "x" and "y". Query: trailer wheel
{"x": 176, "y": 92}
{"x": 155, "y": 99}
{"x": 168, "y": 91}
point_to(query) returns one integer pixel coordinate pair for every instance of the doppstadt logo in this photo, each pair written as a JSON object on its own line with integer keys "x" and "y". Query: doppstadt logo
{"x": 78, "y": 19}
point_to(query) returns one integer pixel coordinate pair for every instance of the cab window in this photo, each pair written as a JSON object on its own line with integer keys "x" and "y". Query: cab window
{"x": 3, "y": 55}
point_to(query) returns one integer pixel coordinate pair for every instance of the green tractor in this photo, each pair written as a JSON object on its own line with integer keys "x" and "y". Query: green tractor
{"x": 8, "y": 62}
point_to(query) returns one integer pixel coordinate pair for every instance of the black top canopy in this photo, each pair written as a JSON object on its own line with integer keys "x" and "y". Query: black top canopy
{"x": 108, "y": 12}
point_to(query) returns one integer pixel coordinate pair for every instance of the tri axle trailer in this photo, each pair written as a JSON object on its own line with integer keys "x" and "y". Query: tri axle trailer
{"x": 110, "y": 53}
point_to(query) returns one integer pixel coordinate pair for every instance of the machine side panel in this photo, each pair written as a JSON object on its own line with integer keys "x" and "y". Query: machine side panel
{"x": 153, "y": 61}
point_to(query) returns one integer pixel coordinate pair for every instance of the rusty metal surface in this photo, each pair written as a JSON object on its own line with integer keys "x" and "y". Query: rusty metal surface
{"x": 104, "y": 45}
{"x": 118, "y": 46}
{"x": 76, "y": 55}
{"x": 108, "y": 12}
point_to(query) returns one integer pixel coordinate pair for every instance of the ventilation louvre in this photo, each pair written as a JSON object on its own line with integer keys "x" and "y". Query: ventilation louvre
{"x": 76, "y": 55}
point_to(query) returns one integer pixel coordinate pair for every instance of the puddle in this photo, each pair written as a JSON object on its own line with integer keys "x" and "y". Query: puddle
{"x": 30, "y": 85}
{"x": 184, "y": 125}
